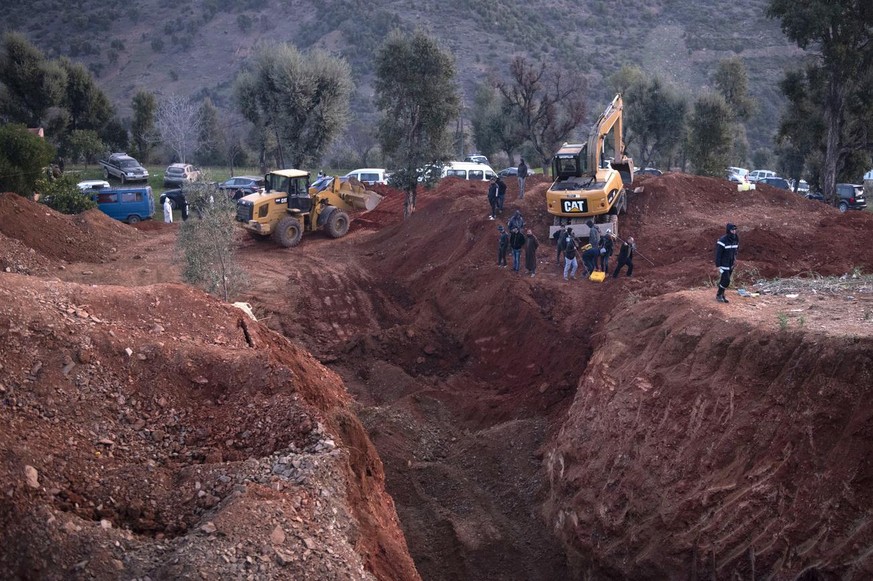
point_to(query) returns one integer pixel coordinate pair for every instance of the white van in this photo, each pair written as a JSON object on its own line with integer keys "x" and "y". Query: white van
{"x": 468, "y": 171}
{"x": 760, "y": 174}
{"x": 369, "y": 175}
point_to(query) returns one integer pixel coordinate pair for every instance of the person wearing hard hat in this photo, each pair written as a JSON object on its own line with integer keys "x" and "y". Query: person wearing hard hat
{"x": 725, "y": 256}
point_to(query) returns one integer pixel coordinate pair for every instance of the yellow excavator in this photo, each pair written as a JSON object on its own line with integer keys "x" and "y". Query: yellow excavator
{"x": 290, "y": 205}
{"x": 592, "y": 179}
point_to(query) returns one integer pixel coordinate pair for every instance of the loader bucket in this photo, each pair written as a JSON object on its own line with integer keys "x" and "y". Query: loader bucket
{"x": 362, "y": 200}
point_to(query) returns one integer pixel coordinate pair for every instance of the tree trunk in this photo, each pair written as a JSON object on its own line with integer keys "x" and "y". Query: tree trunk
{"x": 834, "y": 120}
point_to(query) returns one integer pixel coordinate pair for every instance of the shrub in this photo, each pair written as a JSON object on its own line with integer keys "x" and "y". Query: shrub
{"x": 63, "y": 195}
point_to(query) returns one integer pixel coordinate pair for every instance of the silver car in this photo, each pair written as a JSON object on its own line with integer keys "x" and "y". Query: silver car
{"x": 180, "y": 173}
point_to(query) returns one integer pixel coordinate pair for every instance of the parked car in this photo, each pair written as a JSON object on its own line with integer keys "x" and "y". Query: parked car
{"x": 815, "y": 196}
{"x": 737, "y": 175}
{"x": 776, "y": 182}
{"x": 369, "y": 175}
{"x": 180, "y": 173}
{"x": 92, "y": 185}
{"x": 177, "y": 199}
{"x": 511, "y": 172}
{"x": 802, "y": 187}
{"x": 851, "y": 197}
{"x": 124, "y": 168}
{"x": 476, "y": 158}
{"x": 241, "y": 186}
{"x": 760, "y": 174}
{"x": 649, "y": 171}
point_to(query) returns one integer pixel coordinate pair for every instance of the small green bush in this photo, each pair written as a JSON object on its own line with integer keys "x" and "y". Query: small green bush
{"x": 62, "y": 194}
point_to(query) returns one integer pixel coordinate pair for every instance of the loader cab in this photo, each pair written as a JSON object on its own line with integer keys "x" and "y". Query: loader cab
{"x": 295, "y": 183}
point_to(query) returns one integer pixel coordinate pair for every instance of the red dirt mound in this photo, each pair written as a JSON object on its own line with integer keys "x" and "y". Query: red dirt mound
{"x": 88, "y": 237}
{"x": 157, "y": 432}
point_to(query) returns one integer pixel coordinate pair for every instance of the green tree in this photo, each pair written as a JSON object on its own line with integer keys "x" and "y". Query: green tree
{"x": 495, "y": 128}
{"x": 63, "y": 195}
{"x": 802, "y": 125}
{"x": 207, "y": 244}
{"x": 710, "y": 139}
{"x": 417, "y": 94}
{"x": 840, "y": 32}
{"x": 142, "y": 128}
{"x": 88, "y": 106}
{"x": 30, "y": 85}
{"x": 547, "y": 102}
{"x": 210, "y": 142}
{"x": 731, "y": 80}
{"x": 83, "y": 145}
{"x": 114, "y": 135}
{"x": 300, "y": 99}
{"x": 23, "y": 156}
{"x": 655, "y": 115}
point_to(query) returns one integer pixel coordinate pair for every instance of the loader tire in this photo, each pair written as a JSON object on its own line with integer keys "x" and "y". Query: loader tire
{"x": 288, "y": 232}
{"x": 337, "y": 224}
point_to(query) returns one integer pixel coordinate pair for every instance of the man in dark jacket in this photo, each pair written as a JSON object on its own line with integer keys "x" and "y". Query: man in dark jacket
{"x": 593, "y": 234}
{"x": 725, "y": 257}
{"x": 492, "y": 197}
{"x": 516, "y": 222}
{"x": 626, "y": 257}
{"x": 561, "y": 237}
{"x": 516, "y": 243}
{"x": 501, "y": 195}
{"x": 502, "y": 246}
{"x": 608, "y": 245}
{"x": 522, "y": 174}
{"x": 570, "y": 261}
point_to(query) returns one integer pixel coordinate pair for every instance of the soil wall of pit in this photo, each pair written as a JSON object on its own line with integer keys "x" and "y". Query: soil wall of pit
{"x": 700, "y": 445}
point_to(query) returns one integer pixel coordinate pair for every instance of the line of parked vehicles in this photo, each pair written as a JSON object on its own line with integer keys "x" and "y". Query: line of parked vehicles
{"x": 133, "y": 203}
{"x": 851, "y": 195}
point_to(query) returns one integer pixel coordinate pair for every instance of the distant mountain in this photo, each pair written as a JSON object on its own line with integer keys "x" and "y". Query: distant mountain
{"x": 196, "y": 47}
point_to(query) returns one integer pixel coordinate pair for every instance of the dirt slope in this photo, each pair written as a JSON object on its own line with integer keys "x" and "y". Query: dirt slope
{"x": 468, "y": 378}
{"x": 155, "y": 431}
{"x": 707, "y": 442}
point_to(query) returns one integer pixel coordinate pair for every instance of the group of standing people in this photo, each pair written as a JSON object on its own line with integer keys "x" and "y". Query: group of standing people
{"x": 595, "y": 254}
{"x": 517, "y": 239}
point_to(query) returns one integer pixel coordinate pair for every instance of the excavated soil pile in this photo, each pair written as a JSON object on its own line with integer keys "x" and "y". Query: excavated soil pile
{"x": 88, "y": 237}
{"x": 157, "y": 432}
{"x": 465, "y": 374}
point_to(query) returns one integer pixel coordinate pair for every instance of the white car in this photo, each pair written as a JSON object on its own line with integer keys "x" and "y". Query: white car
{"x": 737, "y": 174}
{"x": 369, "y": 175}
{"x": 92, "y": 185}
{"x": 760, "y": 174}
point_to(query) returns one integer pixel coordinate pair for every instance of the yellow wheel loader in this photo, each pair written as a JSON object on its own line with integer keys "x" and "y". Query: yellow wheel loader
{"x": 591, "y": 179}
{"x": 289, "y": 205}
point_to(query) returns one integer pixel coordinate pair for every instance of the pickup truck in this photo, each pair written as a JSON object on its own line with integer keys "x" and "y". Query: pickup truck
{"x": 123, "y": 167}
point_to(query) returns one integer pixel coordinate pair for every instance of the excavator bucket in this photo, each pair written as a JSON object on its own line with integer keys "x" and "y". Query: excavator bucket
{"x": 626, "y": 170}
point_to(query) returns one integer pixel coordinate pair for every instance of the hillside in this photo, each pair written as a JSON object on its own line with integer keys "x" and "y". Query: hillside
{"x": 196, "y": 47}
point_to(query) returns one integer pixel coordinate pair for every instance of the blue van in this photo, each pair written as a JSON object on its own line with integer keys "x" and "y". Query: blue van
{"x": 129, "y": 205}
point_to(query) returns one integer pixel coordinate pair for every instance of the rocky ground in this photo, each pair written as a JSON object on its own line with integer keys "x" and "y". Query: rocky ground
{"x": 524, "y": 428}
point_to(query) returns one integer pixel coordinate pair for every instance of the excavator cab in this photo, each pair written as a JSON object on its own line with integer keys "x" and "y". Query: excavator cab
{"x": 571, "y": 161}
